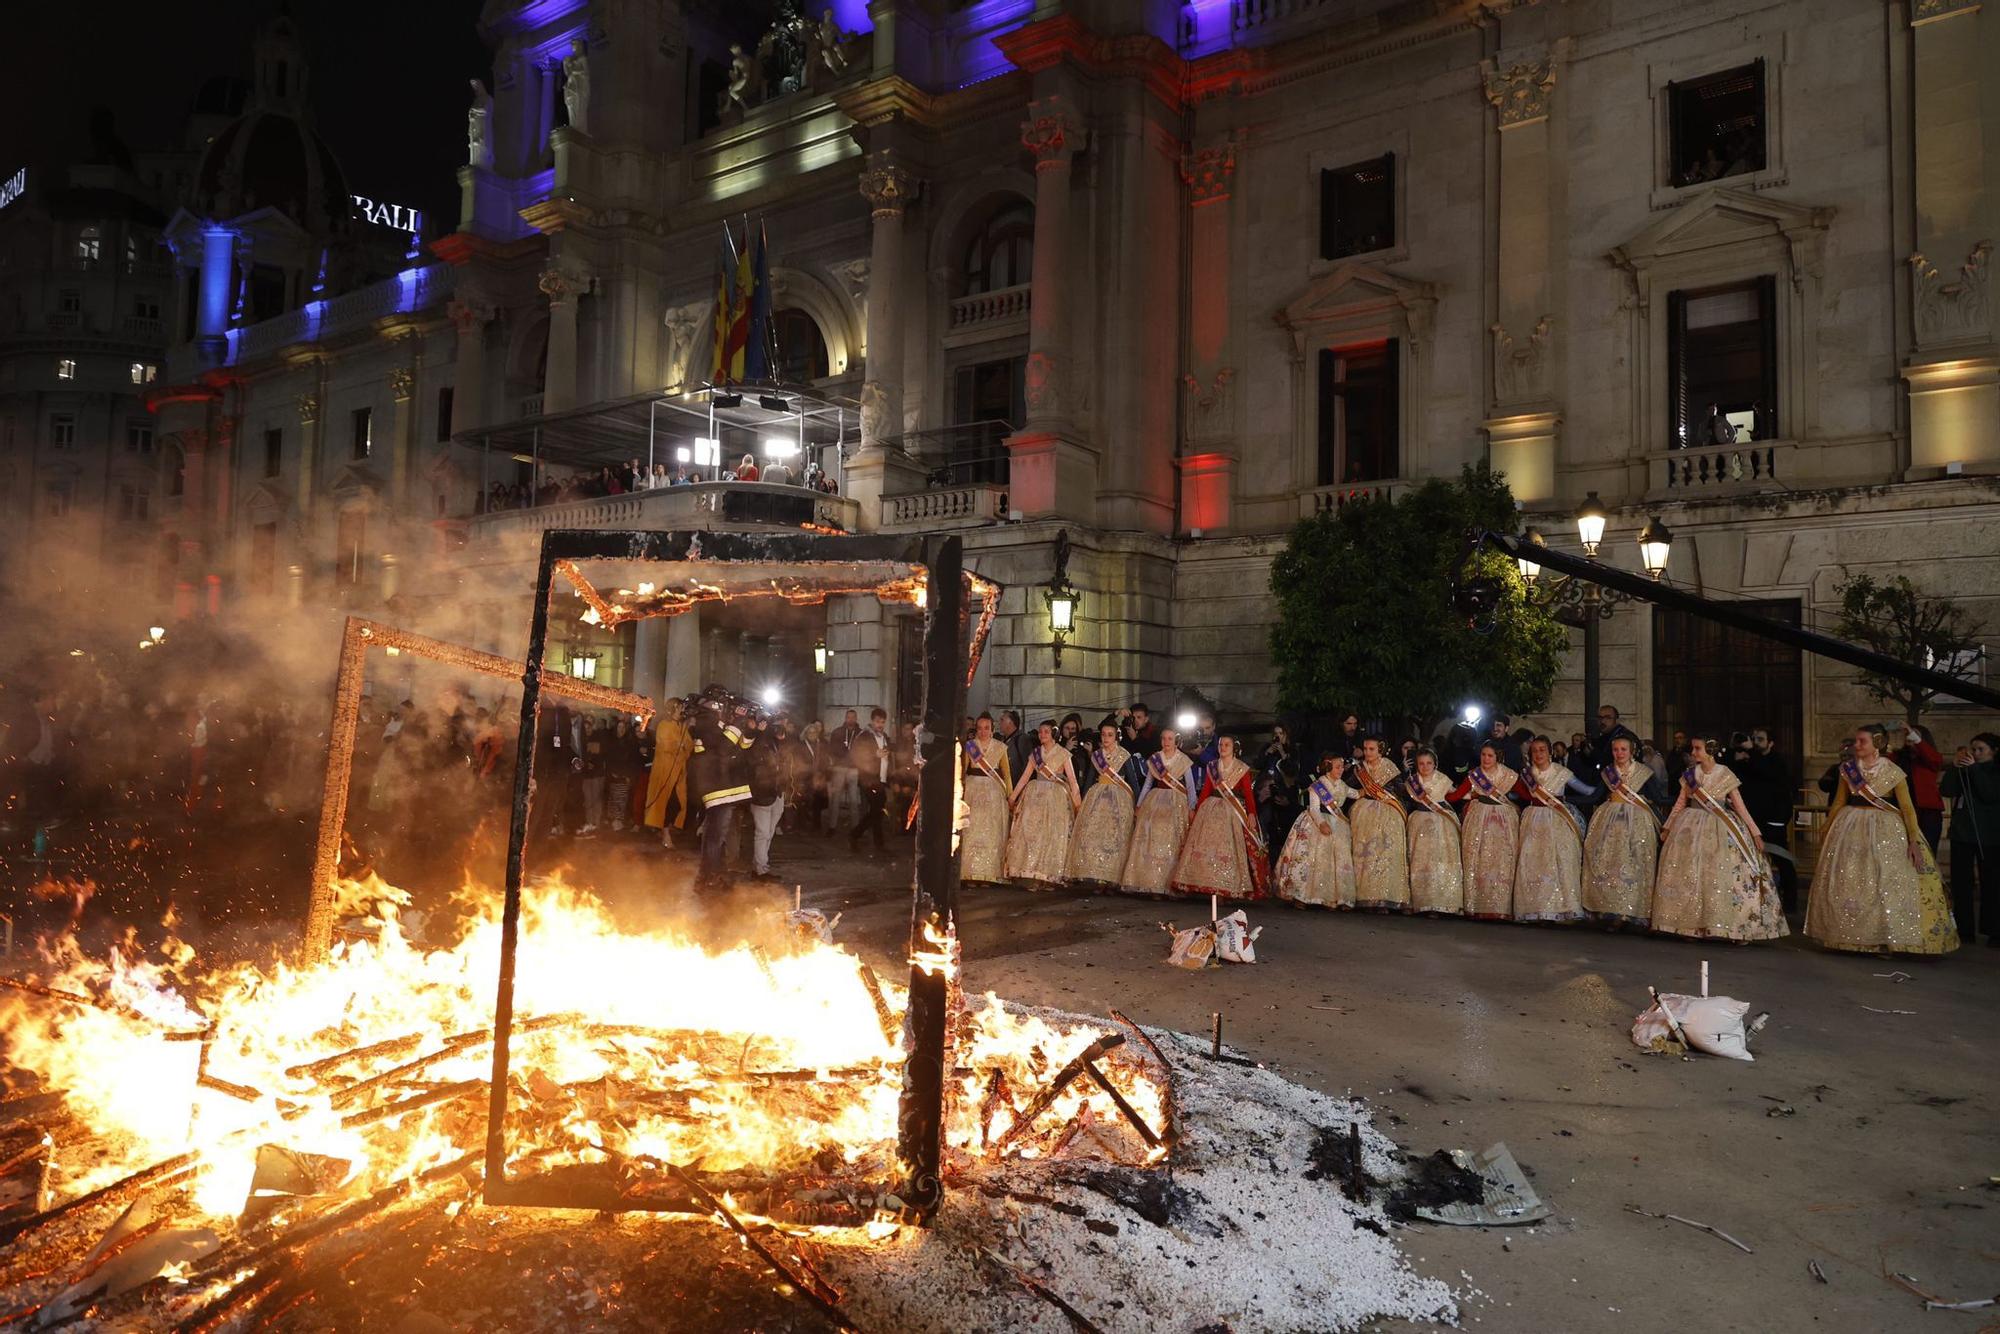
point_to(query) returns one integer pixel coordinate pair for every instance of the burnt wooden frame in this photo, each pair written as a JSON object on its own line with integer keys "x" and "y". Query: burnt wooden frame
{"x": 934, "y": 902}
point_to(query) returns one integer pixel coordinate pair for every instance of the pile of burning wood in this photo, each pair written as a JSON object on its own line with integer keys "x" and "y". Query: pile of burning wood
{"x": 251, "y": 1122}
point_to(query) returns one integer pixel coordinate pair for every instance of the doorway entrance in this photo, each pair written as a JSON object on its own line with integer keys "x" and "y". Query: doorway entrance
{"x": 1717, "y": 679}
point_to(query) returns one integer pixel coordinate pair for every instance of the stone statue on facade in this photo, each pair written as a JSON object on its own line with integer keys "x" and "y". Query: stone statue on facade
{"x": 576, "y": 86}
{"x": 874, "y": 415}
{"x": 785, "y": 49}
{"x": 824, "y": 42}
{"x": 479, "y": 127}
{"x": 736, "y": 95}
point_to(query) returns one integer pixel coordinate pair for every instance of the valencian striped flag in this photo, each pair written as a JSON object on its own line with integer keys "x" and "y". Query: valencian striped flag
{"x": 745, "y": 351}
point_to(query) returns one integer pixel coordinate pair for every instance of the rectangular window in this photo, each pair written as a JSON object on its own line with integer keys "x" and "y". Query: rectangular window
{"x": 134, "y": 503}
{"x": 66, "y": 368}
{"x": 89, "y": 248}
{"x": 1722, "y": 364}
{"x": 1359, "y": 430}
{"x": 56, "y": 498}
{"x": 274, "y": 451}
{"x": 1357, "y": 208}
{"x": 263, "y": 557}
{"x": 444, "y": 413}
{"x": 349, "y": 538}
{"x": 62, "y": 430}
{"x": 1718, "y": 124}
{"x": 144, "y": 372}
{"x": 146, "y": 306}
{"x": 138, "y": 437}
{"x": 364, "y": 431}
{"x": 70, "y": 301}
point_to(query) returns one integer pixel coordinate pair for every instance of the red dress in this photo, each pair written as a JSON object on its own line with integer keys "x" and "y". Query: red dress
{"x": 1223, "y": 852}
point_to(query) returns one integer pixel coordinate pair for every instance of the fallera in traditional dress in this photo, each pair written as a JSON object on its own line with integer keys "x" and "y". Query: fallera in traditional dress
{"x": 1159, "y": 824}
{"x": 1038, "y": 842}
{"x": 1381, "y": 838}
{"x": 1489, "y": 838}
{"x": 1317, "y": 865}
{"x": 1103, "y": 829}
{"x": 982, "y": 849}
{"x": 1548, "y": 873}
{"x": 1714, "y": 882}
{"x": 1621, "y": 848}
{"x": 1865, "y": 895}
{"x": 1223, "y": 852}
{"x": 1437, "y": 870}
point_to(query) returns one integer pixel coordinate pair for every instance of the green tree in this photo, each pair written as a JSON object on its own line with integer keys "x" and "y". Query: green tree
{"x": 1892, "y": 617}
{"x": 1365, "y": 619}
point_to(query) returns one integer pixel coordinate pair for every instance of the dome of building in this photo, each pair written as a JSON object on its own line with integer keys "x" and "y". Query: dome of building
{"x": 270, "y": 156}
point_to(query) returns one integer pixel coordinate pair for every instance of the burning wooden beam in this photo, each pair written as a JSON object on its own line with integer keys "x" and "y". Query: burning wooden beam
{"x": 1053, "y": 1089}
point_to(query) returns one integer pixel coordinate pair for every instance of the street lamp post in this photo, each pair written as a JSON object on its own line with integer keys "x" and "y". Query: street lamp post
{"x": 1584, "y": 603}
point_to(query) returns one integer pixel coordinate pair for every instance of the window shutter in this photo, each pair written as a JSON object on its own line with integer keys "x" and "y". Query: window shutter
{"x": 1327, "y": 471}
{"x": 1767, "y": 393}
{"x": 1390, "y": 450}
{"x": 1679, "y": 430}
{"x": 1329, "y": 213}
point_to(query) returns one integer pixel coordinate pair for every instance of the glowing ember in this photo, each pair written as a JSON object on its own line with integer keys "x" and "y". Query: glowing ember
{"x": 629, "y": 1047}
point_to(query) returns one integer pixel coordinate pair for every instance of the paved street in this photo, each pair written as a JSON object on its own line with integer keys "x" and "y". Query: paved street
{"x": 1466, "y": 1033}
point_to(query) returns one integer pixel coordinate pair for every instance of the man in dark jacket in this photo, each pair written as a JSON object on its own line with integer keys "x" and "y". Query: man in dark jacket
{"x": 719, "y": 779}
{"x": 1972, "y": 785}
{"x": 1767, "y": 795}
{"x": 869, "y": 756}
{"x": 1609, "y": 729}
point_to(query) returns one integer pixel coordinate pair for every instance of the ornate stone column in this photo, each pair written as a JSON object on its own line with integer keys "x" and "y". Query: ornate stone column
{"x": 309, "y": 431}
{"x": 1522, "y": 424}
{"x": 1207, "y": 459}
{"x": 217, "y": 291}
{"x": 468, "y": 393}
{"x": 1050, "y": 473}
{"x": 562, "y": 285}
{"x": 880, "y": 466}
{"x": 1954, "y": 368}
{"x": 403, "y": 433}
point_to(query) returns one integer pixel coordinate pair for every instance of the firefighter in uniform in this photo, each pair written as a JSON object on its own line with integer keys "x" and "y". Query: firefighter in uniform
{"x": 719, "y": 776}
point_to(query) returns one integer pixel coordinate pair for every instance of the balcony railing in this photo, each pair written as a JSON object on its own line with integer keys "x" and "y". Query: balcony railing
{"x": 946, "y": 507}
{"x": 970, "y": 312}
{"x": 1724, "y": 467}
{"x": 1332, "y": 499}
{"x": 700, "y": 505}
{"x": 529, "y": 406}
{"x": 66, "y": 321}
{"x": 411, "y": 290}
{"x": 141, "y": 329}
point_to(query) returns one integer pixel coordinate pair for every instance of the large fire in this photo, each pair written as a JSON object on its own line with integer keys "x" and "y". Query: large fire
{"x": 630, "y": 1048}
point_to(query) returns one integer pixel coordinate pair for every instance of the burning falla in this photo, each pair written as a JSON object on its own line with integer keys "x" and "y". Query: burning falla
{"x": 629, "y": 1047}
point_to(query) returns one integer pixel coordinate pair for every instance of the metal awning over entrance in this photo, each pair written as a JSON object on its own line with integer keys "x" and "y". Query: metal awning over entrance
{"x": 656, "y": 428}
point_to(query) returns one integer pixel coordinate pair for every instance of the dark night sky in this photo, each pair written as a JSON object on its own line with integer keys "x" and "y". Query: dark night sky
{"x": 388, "y": 83}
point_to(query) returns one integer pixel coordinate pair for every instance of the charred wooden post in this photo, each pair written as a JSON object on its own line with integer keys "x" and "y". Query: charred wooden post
{"x": 517, "y": 844}
{"x": 934, "y": 901}
{"x": 333, "y": 797}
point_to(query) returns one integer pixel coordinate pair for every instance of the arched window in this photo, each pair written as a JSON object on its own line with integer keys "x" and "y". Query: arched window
{"x": 89, "y": 247}
{"x": 1003, "y": 253}
{"x": 801, "y": 347}
{"x": 174, "y": 463}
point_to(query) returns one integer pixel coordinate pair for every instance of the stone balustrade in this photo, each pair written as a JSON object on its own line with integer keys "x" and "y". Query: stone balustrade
{"x": 699, "y": 505}
{"x": 971, "y": 312}
{"x": 945, "y": 507}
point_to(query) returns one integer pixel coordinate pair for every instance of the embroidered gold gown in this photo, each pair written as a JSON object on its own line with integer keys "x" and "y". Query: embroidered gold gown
{"x": 1714, "y": 883}
{"x": 1038, "y": 842}
{"x": 1489, "y": 837}
{"x": 1437, "y": 869}
{"x": 1103, "y": 829}
{"x": 1159, "y": 824}
{"x": 1865, "y": 895}
{"x": 1548, "y": 873}
{"x": 1381, "y": 841}
{"x": 982, "y": 849}
{"x": 1221, "y": 853}
{"x": 1317, "y": 865}
{"x": 1621, "y": 849}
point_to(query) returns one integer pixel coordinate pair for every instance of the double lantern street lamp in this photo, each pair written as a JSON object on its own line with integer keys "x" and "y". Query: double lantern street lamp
{"x": 1583, "y": 602}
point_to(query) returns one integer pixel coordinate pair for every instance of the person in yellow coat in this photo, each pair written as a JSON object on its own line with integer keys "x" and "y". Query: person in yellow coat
{"x": 672, "y": 745}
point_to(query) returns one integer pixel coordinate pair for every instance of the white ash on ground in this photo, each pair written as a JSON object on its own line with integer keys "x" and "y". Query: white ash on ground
{"x": 1238, "y": 1234}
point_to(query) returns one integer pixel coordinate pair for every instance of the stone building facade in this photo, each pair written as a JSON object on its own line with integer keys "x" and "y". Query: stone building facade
{"x": 1171, "y": 277}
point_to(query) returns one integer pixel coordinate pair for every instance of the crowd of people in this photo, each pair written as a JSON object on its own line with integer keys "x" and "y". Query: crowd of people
{"x": 1495, "y": 827}
{"x": 634, "y": 476}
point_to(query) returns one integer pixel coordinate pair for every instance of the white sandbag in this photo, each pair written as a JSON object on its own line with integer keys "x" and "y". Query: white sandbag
{"x": 1713, "y": 1024}
{"x": 1235, "y": 940}
{"x": 1193, "y": 948}
{"x": 812, "y": 926}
